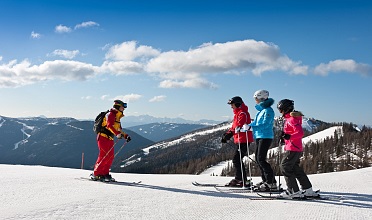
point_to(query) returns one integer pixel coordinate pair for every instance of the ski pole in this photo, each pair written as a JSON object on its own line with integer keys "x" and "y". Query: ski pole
{"x": 249, "y": 162}
{"x": 122, "y": 146}
{"x": 95, "y": 168}
{"x": 248, "y": 157}
{"x": 237, "y": 130}
{"x": 281, "y": 124}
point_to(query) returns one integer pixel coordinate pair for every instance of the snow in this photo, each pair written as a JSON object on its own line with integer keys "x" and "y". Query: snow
{"x": 320, "y": 136}
{"x": 37, "y": 192}
{"x": 184, "y": 138}
{"x": 23, "y": 130}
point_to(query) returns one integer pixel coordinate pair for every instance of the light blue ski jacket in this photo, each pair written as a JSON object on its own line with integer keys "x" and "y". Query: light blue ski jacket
{"x": 263, "y": 123}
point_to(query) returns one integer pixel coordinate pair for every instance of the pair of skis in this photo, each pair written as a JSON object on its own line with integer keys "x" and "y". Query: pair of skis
{"x": 263, "y": 195}
{"x": 234, "y": 188}
{"x": 112, "y": 182}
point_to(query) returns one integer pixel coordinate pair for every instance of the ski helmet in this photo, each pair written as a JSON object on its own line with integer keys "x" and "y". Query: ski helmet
{"x": 285, "y": 106}
{"x": 261, "y": 95}
{"x": 235, "y": 100}
{"x": 120, "y": 103}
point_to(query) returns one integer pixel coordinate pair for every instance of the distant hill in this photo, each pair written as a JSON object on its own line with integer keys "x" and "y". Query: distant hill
{"x": 162, "y": 131}
{"x": 131, "y": 121}
{"x": 57, "y": 142}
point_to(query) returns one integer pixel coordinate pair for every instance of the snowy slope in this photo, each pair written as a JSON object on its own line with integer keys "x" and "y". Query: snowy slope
{"x": 36, "y": 192}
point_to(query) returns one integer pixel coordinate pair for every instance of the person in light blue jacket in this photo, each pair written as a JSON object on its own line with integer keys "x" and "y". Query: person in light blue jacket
{"x": 263, "y": 134}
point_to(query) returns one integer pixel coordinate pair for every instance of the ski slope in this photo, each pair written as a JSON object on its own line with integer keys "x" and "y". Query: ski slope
{"x": 37, "y": 192}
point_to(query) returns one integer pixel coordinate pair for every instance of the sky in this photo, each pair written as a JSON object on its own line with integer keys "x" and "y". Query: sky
{"x": 185, "y": 58}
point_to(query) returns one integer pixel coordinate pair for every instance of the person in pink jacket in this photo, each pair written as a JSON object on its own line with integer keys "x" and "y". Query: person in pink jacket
{"x": 241, "y": 117}
{"x": 290, "y": 165}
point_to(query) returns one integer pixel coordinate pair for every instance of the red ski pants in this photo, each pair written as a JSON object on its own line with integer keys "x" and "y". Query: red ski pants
{"x": 105, "y": 156}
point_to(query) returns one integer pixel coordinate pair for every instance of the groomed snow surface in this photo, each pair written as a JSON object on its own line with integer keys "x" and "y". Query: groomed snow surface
{"x": 37, "y": 192}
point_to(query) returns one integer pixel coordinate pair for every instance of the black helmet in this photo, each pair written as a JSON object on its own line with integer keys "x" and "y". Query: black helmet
{"x": 235, "y": 100}
{"x": 120, "y": 103}
{"x": 285, "y": 106}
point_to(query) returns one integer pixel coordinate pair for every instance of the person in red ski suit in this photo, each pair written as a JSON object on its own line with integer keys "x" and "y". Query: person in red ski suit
{"x": 105, "y": 141}
{"x": 241, "y": 117}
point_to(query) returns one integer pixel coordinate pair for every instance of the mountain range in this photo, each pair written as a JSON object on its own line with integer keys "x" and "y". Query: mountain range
{"x": 155, "y": 147}
{"x": 71, "y": 143}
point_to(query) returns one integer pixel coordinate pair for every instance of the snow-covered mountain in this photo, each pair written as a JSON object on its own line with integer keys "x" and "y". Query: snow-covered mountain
{"x": 131, "y": 121}
{"x": 60, "y": 142}
{"x": 63, "y": 142}
{"x": 162, "y": 131}
{"x": 37, "y": 192}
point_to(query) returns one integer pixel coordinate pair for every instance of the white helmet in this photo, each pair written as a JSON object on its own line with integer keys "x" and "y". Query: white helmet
{"x": 261, "y": 95}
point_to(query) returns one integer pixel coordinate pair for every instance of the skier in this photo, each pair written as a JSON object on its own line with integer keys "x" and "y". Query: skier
{"x": 105, "y": 141}
{"x": 292, "y": 136}
{"x": 241, "y": 117}
{"x": 263, "y": 133}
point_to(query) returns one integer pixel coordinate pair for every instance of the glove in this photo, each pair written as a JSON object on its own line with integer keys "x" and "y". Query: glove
{"x": 286, "y": 136}
{"x": 125, "y": 136}
{"x": 128, "y": 138}
{"x": 226, "y": 137}
{"x": 119, "y": 136}
{"x": 246, "y": 128}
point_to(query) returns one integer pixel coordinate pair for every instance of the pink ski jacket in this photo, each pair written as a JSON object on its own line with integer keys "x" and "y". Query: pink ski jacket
{"x": 293, "y": 126}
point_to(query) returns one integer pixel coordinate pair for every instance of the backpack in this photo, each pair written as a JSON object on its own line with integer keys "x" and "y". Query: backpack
{"x": 97, "y": 126}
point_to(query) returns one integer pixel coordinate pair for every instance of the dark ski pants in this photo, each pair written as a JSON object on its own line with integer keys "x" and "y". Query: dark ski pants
{"x": 238, "y": 161}
{"x": 292, "y": 171}
{"x": 262, "y": 147}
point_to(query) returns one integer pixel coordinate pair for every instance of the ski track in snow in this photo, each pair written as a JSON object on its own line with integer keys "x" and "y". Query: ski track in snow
{"x": 37, "y": 192}
{"x": 24, "y": 127}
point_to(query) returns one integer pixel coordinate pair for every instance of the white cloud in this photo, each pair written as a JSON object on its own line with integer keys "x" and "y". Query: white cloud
{"x": 86, "y": 24}
{"x": 173, "y": 69}
{"x": 86, "y": 97}
{"x": 159, "y": 98}
{"x": 121, "y": 67}
{"x": 14, "y": 74}
{"x": 35, "y": 35}
{"x": 241, "y": 56}
{"x": 128, "y": 98}
{"x": 62, "y": 29}
{"x": 129, "y": 50}
{"x": 191, "y": 83}
{"x": 104, "y": 97}
{"x": 69, "y": 54}
{"x": 343, "y": 66}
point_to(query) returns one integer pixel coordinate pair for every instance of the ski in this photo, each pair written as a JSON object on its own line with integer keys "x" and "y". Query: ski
{"x": 111, "y": 182}
{"x": 215, "y": 185}
{"x": 276, "y": 197}
{"x": 207, "y": 184}
{"x": 226, "y": 189}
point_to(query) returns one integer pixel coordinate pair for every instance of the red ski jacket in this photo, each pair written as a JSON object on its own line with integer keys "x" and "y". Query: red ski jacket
{"x": 241, "y": 117}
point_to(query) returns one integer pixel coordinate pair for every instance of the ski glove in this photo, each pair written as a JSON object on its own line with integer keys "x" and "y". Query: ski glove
{"x": 226, "y": 137}
{"x": 286, "y": 136}
{"x": 119, "y": 136}
{"x": 128, "y": 138}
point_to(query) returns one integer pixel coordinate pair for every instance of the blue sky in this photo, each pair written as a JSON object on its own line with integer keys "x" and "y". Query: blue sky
{"x": 185, "y": 58}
